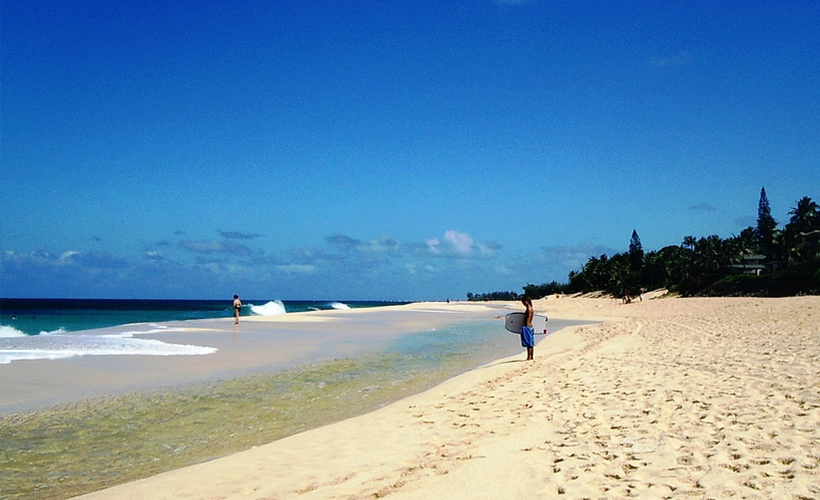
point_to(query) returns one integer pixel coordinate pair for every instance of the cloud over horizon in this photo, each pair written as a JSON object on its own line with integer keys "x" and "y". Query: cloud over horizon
{"x": 214, "y": 246}
{"x": 235, "y": 235}
{"x": 364, "y": 264}
{"x": 702, "y": 207}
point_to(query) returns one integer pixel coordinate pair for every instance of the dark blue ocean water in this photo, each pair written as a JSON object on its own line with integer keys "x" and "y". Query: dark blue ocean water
{"x": 61, "y": 328}
{"x": 42, "y": 316}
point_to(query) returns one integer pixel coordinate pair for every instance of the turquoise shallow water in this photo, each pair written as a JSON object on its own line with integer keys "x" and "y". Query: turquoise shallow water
{"x": 63, "y": 450}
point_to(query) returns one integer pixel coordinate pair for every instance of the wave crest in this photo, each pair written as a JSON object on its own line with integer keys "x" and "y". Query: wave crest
{"x": 7, "y": 332}
{"x": 272, "y": 308}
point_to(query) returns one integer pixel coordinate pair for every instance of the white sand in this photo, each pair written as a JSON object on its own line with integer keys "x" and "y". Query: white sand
{"x": 671, "y": 398}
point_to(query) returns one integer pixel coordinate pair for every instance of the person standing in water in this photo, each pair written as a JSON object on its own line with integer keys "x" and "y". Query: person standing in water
{"x": 527, "y": 337}
{"x": 237, "y": 306}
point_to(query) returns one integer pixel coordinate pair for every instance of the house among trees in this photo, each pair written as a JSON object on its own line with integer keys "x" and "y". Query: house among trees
{"x": 764, "y": 261}
{"x": 751, "y": 264}
{"x": 809, "y": 245}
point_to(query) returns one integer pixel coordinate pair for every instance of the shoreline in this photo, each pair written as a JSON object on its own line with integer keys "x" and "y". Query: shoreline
{"x": 258, "y": 344}
{"x": 669, "y": 397}
{"x": 254, "y": 404}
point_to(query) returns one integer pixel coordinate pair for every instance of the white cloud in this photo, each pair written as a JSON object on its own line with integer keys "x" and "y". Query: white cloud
{"x": 503, "y": 269}
{"x": 214, "y": 246}
{"x": 68, "y": 254}
{"x": 384, "y": 245}
{"x": 488, "y": 250}
{"x": 453, "y": 244}
{"x": 236, "y": 235}
{"x": 461, "y": 242}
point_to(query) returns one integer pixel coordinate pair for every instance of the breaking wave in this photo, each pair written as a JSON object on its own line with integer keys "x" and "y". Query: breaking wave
{"x": 272, "y": 308}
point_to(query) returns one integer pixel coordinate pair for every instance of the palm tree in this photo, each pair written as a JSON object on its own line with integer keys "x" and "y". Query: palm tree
{"x": 805, "y": 216}
{"x": 787, "y": 245}
{"x": 746, "y": 240}
{"x": 706, "y": 254}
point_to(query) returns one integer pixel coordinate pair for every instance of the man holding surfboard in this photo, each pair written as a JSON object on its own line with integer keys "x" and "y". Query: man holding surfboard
{"x": 527, "y": 324}
{"x": 527, "y": 337}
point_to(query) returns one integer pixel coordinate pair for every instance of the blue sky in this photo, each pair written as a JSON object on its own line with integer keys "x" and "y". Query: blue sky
{"x": 387, "y": 150}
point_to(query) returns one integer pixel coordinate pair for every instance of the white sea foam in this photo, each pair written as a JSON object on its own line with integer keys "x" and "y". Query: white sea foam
{"x": 53, "y": 332}
{"x": 152, "y": 328}
{"x": 58, "y": 346}
{"x": 10, "y": 332}
{"x": 339, "y": 305}
{"x": 272, "y": 308}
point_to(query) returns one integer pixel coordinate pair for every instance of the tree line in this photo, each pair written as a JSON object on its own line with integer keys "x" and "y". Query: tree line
{"x": 760, "y": 261}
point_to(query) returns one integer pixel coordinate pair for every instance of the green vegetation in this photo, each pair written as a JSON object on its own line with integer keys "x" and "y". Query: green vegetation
{"x": 760, "y": 261}
{"x": 492, "y": 296}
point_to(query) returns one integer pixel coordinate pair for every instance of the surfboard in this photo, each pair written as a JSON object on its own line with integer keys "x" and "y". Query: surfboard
{"x": 515, "y": 321}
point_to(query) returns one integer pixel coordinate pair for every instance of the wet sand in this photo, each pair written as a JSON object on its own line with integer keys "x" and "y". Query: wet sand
{"x": 122, "y": 418}
{"x": 670, "y": 398}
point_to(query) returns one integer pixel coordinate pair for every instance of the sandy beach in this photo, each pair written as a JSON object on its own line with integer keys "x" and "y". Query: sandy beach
{"x": 79, "y": 424}
{"x": 668, "y": 398}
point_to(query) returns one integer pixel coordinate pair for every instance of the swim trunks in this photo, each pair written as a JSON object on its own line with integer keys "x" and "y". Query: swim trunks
{"x": 527, "y": 338}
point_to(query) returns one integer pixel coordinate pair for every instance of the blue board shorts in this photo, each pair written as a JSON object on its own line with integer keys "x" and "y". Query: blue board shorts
{"x": 527, "y": 338}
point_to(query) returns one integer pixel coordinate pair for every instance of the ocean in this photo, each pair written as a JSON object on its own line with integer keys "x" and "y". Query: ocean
{"x": 64, "y": 450}
{"x": 47, "y": 328}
